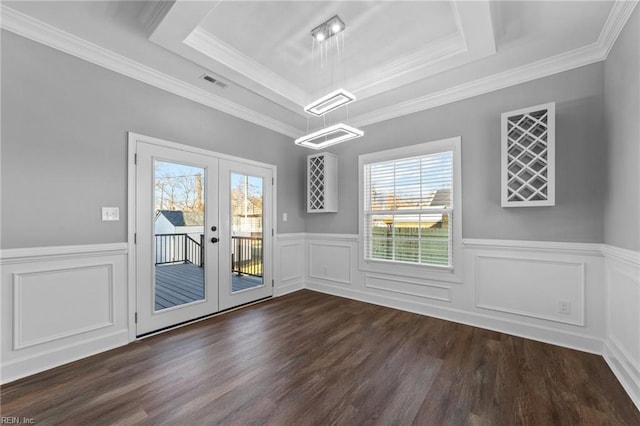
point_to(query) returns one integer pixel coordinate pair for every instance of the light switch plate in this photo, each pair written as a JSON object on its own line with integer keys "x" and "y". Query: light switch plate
{"x": 110, "y": 214}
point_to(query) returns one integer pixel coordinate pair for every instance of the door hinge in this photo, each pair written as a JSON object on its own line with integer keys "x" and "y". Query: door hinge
{"x": 135, "y": 238}
{"x": 136, "y": 318}
{"x": 273, "y": 283}
{"x": 272, "y": 234}
{"x": 273, "y": 181}
{"x": 135, "y": 158}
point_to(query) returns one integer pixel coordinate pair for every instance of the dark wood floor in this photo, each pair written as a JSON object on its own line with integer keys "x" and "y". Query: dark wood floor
{"x": 313, "y": 359}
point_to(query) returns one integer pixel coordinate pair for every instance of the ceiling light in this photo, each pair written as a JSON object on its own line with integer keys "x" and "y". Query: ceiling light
{"x": 328, "y": 28}
{"x": 333, "y": 100}
{"x": 329, "y": 136}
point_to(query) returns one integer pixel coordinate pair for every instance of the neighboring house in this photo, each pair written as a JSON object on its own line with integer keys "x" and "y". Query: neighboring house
{"x": 179, "y": 222}
{"x": 170, "y": 249}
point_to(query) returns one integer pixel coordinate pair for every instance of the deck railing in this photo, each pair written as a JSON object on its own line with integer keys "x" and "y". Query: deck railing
{"x": 246, "y": 256}
{"x": 179, "y": 248}
{"x": 246, "y": 252}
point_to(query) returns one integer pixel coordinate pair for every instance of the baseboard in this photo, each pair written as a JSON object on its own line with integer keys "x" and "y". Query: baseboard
{"x": 27, "y": 366}
{"x": 625, "y": 372}
{"x": 288, "y": 288}
{"x": 558, "y": 337}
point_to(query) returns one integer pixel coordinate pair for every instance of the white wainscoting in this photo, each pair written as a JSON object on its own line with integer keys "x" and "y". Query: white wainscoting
{"x": 622, "y": 343}
{"x": 515, "y": 287}
{"x": 547, "y": 289}
{"x": 60, "y": 304}
{"x": 291, "y": 259}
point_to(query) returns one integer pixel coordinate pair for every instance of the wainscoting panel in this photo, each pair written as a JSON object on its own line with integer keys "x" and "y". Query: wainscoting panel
{"x": 516, "y": 287}
{"x": 60, "y": 304}
{"x": 331, "y": 259}
{"x": 622, "y": 343}
{"x": 53, "y": 304}
{"x": 408, "y": 287}
{"x": 291, "y": 260}
{"x": 549, "y": 290}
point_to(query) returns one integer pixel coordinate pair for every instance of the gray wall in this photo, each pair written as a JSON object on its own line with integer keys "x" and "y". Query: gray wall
{"x": 64, "y": 145}
{"x": 580, "y": 171}
{"x": 622, "y": 118}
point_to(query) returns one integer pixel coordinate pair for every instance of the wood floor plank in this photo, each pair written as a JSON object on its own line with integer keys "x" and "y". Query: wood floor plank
{"x": 313, "y": 359}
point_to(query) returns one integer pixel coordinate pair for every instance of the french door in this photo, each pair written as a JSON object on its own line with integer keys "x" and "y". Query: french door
{"x": 203, "y": 231}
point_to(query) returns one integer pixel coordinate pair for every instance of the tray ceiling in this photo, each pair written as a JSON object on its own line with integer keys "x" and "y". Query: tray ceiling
{"x": 398, "y": 57}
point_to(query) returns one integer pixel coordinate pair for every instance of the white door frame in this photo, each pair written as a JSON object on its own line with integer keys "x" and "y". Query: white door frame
{"x": 133, "y": 138}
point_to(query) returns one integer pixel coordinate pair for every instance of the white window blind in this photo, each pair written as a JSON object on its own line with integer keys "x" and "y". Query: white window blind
{"x": 408, "y": 209}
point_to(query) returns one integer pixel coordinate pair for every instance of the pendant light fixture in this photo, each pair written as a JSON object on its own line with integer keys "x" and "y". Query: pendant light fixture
{"x": 338, "y": 98}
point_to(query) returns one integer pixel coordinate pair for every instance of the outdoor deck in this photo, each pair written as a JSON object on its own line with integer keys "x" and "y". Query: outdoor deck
{"x": 181, "y": 283}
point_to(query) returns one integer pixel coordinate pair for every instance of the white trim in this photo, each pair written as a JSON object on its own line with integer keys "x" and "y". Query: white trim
{"x": 20, "y": 343}
{"x": 295, "y": 281}
{"x": 132, "y": 300}
{"x": 618, "y": 16}
{"x": 621, "y": 367}
{"x": 291, "y": 236}
{"x": 451, "y": 273}
{"x": 589, "y": 249}
{"x": 33, "y": 254}
{"x": 620, "y": 254}
{"x": 133, "y": 139}
{"x": 48, "y": 35}
{"x": 41, "y": 32}
{"x": 367, "y": 284}
{"x": 311, "y": 245}
{"x": 621, "y": 349}
{"x": 132, "y": 136}
{"x": 521, "y": 312}
{"x": 207, "y": 44}
{"x": 595, "y": 52}
{"x": 335, "y": 237}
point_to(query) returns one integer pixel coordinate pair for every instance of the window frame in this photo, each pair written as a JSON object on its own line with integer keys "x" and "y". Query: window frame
{"x": 451, "y": 273}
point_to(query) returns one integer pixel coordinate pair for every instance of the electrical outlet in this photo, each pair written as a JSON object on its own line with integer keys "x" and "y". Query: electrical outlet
{"x": 564, "y": 307}
{"x": 110, "y": 214}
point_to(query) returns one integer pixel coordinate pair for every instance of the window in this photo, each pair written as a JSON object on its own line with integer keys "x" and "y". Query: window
{"x": 410, "y": 207}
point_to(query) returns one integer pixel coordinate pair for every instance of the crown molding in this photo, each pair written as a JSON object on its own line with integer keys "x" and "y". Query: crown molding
{"x": 153, "y": 13}
{"x": 543, "y": 68}
{"x": 620, "y": 13}
{"x": 26, "y": 26}
{"x": 432, "y": 56}
{"x": 595, "y": 52}
{"x": 33, "y": 29}
{"x": 207, "y": 44}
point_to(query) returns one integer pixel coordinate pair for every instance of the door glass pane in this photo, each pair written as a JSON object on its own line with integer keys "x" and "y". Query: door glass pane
{"x": 246, "y": 232}
{"x": 179, "y": 212}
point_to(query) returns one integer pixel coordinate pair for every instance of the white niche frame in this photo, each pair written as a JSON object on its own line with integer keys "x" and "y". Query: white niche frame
{"x": 528, "y": 152}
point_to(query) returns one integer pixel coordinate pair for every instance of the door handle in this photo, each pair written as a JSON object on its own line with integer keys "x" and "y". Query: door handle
{"x": 214, "y": 240}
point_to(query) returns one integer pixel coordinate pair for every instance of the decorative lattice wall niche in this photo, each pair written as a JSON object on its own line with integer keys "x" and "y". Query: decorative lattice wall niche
{"x": 528, "y": 156}
{"x": 322, "y": 183}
